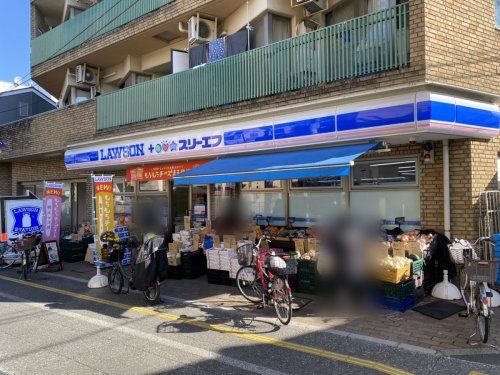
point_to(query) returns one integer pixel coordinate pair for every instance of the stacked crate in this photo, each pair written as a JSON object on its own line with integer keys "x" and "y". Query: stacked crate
{"x": 308, "y": 278}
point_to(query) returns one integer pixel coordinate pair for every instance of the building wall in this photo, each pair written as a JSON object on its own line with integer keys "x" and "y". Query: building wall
{"x": 10, "y": 109}
{"x": 5, "y": 179}
{"x": 142, "y": 24}
{"x": 462, "y": 44}
{"x": 49, "y": 132}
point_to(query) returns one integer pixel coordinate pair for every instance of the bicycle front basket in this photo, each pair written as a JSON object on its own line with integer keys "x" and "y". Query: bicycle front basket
{"x": 244, "y": 253}
{"x": 481, "y": 270}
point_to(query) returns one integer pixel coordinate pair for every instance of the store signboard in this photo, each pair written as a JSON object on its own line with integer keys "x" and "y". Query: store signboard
{"x": 23, "y": 216}
{"x": 161, "y": 171}
{"x": 104, "y": 204}
{"x": 403, "y": 114}
{"x": 52, "y": 209}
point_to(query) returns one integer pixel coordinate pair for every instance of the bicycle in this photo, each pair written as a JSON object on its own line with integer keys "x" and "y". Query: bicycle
{"x": 117, "y": 275}
{"x": 26, "y": 245}
{"x": 8, "y": 255}
{"x": 261, "y": 284}
{"x": 475, "y": 273}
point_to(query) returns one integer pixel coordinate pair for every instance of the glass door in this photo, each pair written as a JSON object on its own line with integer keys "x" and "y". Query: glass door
{"x": 180, "y": 206}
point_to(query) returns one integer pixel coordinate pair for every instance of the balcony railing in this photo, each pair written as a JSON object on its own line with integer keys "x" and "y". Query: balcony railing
{"x": 92, "y": 23}
{"x": 358, "y": 47}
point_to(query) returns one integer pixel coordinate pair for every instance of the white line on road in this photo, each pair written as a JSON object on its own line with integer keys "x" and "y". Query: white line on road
{"x": 198, "y": 352}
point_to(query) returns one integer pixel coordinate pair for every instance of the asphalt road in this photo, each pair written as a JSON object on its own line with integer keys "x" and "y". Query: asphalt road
{"x": 52, "y": 325}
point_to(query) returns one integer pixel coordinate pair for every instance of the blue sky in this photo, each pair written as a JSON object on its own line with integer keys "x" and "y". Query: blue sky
{"x": 14, "y": 39}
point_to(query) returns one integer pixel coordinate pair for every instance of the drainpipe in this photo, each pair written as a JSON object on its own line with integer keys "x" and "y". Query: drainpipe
{"x": 446, "y": 181}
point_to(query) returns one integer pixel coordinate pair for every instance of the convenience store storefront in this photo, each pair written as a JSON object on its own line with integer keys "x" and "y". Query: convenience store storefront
{"x": 377, "y": 182}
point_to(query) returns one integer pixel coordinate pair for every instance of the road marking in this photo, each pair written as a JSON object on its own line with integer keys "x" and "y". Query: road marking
{"x": 383, "y": 368}
{"x": 198, "y": 352}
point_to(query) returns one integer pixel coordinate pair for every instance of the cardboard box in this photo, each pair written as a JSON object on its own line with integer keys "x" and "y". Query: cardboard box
{"x": 299, "y": 245}
{"x": 398, "y": 249}
{"x": 196, "y": 241}
{"x": 311, "y": 244}
{"x": 187, "y": 222}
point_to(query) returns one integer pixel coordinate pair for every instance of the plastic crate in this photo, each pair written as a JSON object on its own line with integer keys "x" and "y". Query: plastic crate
{"x": 174, "y": 272}
{"x": 417, "y": 266}
{"x": 401, "y": 290}
{"x": 396, "y": 304}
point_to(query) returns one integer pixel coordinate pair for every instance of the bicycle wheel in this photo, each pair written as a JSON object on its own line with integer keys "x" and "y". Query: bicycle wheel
{"x": 249, "y": 284}
{"x": 483, "y": 316}
{"x": 8, "y": 255}
{"x": 152, "y": 293}
{"x": 115, "y": 280}
{"x": 282, "y": 300}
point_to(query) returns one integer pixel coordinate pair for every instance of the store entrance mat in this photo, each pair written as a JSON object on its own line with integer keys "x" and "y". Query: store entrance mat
{"x": 439, "y": 309}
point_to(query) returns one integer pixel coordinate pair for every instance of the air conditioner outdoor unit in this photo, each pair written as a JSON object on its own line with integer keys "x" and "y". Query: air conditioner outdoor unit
{"x": 312, "y": 6}
{"x": 87, "y": 75}
{"x": 307, "y": 26}
{"x": 201, "y": 29}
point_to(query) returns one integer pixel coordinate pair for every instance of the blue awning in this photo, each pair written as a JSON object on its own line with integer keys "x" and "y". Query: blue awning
{"x": 324, "y": 162}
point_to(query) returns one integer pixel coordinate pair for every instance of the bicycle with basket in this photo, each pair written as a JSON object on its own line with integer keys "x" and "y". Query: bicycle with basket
{"x": 477, "y": 268}
{"x": 264, "y": 281}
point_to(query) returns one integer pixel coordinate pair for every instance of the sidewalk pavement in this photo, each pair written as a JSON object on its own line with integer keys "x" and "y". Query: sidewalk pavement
{"x": 448, "y": 336}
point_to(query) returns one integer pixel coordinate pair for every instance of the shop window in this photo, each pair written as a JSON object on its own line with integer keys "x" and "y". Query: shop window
{"x": 386, "y": 205}
{"x": 121, "y": 186}
{"x": 309, "y": 207}
{"x": 323, "y": 182}
{"x": 262, "y": 206}
{"x": 153, "y": 186}
{"x": 261, "y": 185}
{"x": 124, "y": 210}
{"x": 385, "y": 173}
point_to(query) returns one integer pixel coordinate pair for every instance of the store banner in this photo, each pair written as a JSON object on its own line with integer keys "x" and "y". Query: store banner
{"x": 23, "y": 216}
{"x": 161, "y": 171}
{"x": 104, "y": 204}
{"x": 52, "y": 212}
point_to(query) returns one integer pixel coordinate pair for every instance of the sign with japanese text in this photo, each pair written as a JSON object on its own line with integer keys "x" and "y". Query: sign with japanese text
{"x": 52, "y": 212}
{"x": 104, "y": 204}
{"x": 161, "y": 171}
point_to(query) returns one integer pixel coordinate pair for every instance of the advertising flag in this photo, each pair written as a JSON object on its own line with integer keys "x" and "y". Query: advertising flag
{"x": 104, "y": 204}
{"x": 52, "y": 211}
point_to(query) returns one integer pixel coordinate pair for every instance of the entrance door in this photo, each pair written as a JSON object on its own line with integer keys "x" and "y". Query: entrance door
{"x": 199, "y": 204}
{"x": 180, "y": 206}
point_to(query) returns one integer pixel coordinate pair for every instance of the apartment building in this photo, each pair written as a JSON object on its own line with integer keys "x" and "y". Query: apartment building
{"x": 385, "y": 108}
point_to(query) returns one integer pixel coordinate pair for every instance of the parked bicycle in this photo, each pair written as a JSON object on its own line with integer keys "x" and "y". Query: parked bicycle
{"x": 118, "y": 274}
{"x": 477, "y": 268}
{"x": 8, "y": 255}
{"x": 266, "y": 281}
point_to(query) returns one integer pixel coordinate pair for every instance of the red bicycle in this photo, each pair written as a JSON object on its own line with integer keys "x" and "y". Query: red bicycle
{"x": 264, "y": 282}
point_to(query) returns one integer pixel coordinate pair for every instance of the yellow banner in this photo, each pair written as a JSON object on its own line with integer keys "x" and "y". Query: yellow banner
{"x": 104, "y": 206}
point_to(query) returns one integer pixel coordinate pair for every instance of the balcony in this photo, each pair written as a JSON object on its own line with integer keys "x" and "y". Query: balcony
{"x": 362, "y": 46}
{"x": 92, "y": 23}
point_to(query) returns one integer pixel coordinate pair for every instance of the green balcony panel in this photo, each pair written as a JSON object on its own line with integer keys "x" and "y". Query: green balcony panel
{"x": 366, "y": 45}
{"x": 94, "y": 22}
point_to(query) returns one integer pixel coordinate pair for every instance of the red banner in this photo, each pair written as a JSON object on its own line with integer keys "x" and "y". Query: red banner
{"x": 161, "y": 171}
{"x": 52, "y": 210}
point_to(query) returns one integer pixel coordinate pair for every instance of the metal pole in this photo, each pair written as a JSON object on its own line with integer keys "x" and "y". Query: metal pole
{"x": 446, "y": 181}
